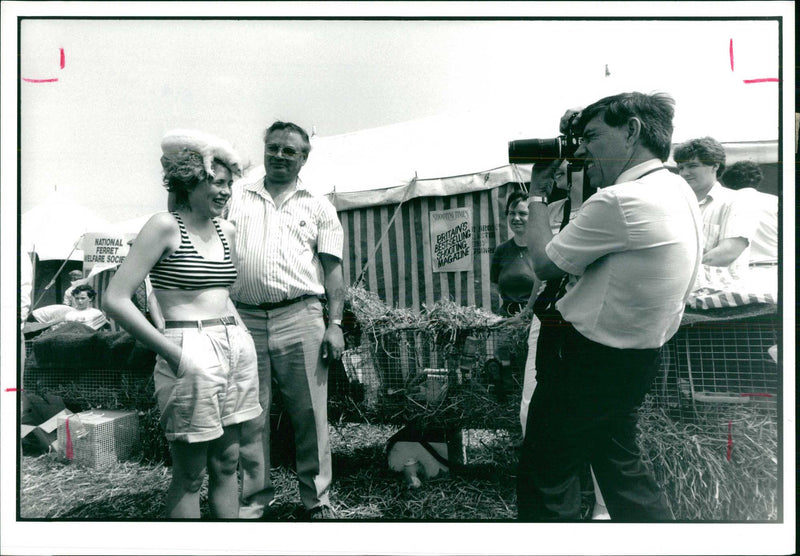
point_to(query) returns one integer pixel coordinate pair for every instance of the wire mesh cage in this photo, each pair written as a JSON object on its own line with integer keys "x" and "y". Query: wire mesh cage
{"x": 28, "y": 348}
{"x": 711, "y": 364}
{"x": 463, "y": 377}
{"x": 98, "y": 438}
{"x": 128, "y": 388}
{"x": 89, "y": 369}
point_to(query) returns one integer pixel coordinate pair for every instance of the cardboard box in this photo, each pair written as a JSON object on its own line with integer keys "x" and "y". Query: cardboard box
{"x": 38, "y": 409}
{"x": 38, "y": 422}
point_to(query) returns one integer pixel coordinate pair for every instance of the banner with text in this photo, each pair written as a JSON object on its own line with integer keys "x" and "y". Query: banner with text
{"x": 451, "y": 239}
{"x": 103, "y": 249}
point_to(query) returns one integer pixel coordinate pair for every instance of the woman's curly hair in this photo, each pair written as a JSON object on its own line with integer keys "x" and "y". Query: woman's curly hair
{"x": 188, "y": 160}
{"x": 183, "y": 171}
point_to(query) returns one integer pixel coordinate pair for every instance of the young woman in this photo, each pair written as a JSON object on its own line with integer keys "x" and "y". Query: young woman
{"x": 511, "y": 272}
{"x": 206, "y": 378}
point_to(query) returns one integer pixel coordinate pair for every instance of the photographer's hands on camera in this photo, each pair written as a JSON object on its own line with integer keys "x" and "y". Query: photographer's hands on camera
{"x": 568, "y": 118}
{"x": 542, "y": 175}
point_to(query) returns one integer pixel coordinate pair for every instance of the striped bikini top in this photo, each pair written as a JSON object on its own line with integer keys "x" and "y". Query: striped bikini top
{"x": 186, "y": 269}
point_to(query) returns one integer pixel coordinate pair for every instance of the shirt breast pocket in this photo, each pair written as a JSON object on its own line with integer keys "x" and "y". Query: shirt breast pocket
{"x": 304, "y": 231}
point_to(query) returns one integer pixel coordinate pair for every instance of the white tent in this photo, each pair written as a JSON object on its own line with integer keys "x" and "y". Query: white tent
{"x": 131, "y": 225}
{"x": 53, "y": 228}
{"x": 437, "y": 156}
{"x": 386, "y": 181}
{"x": 456, "y": 153}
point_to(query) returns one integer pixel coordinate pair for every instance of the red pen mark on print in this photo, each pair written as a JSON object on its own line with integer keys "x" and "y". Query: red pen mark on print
{"x": 730, "y": 440}
{"x": 13, "y": 389}
{"x": 749, "y": 81}
{"x": 40, "y": 80}
{"x": 731, "y": 52}
{"x": 69, "y": 440}
{"x": 758, "y": 394}
{"x": 62, "y": 63}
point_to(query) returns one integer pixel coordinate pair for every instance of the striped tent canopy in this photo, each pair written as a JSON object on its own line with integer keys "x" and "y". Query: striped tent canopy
{"x": 385, "y": 182}
{"x": 389, "y": 251}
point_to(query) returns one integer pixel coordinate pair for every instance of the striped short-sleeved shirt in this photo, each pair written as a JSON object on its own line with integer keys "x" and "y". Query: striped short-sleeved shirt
{"x": 278, "y": 249}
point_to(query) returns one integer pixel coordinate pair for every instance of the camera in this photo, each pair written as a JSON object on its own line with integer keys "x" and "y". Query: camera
{"x": 528, "y": 151}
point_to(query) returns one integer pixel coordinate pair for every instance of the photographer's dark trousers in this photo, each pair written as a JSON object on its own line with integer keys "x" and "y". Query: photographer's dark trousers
{"x": 584, "y": 409}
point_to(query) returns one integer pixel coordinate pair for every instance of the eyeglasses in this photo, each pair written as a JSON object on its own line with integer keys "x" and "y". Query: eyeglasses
{"x": 273, "y": 149}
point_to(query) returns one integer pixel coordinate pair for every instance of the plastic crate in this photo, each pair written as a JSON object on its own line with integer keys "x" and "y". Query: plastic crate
{"x": 99, "y": 437}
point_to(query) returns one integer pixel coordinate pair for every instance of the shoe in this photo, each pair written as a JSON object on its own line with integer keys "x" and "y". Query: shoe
{"x": 256, "y": 512}
{"x": 321, "y": 513}
{"x": 271, "y": 511}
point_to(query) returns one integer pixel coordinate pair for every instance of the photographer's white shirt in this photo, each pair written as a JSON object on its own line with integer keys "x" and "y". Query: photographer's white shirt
{"x": 635, "y": 248}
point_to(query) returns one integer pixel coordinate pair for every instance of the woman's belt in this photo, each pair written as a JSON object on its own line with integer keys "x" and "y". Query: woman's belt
{"x": 229, "y": 320}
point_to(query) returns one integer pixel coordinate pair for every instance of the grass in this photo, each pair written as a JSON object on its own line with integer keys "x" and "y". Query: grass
{"x": 689, "y": 461}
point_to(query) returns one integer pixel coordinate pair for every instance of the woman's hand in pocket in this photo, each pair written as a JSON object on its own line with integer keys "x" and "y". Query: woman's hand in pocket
{"x": 173, "y": 358}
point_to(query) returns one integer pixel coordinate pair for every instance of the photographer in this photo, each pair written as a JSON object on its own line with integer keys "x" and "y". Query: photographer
{"x": 631, "y": 255}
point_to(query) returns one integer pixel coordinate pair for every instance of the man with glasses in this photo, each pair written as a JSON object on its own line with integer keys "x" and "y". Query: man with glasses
{"x": 289, "y": 246}
{"x": 630, "y": 255}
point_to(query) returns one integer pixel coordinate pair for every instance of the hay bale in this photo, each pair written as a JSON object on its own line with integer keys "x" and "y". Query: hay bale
{"x": 721, "y": 466}
{"x": 406, "y": 350}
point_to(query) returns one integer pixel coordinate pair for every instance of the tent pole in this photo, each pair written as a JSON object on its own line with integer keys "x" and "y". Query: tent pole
{"x": 53, "y": 280}
{"x": 371, "y": 256}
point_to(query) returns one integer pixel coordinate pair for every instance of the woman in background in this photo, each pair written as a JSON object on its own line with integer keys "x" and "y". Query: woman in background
{"x": 206, "y": 378}
{"x": 82, "y": 311}
{"x": 511, "y": 272}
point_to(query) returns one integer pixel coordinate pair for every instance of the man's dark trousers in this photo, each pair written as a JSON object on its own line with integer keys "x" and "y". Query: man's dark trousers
{"x": 584, "y": 409}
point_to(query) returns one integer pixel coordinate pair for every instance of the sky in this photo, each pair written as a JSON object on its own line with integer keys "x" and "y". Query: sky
{"x": 94, "y": 133}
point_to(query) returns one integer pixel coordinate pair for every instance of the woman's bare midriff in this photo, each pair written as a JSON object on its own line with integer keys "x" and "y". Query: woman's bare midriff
{"x": 193, "y": 304}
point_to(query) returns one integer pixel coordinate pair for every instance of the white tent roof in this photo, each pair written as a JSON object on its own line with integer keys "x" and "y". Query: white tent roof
{"x": 445, "y": 155}
{"x": 440, "y": 155}
{"x": 53, "y": 227}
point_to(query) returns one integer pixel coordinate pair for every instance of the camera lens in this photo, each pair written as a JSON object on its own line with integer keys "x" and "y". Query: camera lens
{"x": 530, "y": 151}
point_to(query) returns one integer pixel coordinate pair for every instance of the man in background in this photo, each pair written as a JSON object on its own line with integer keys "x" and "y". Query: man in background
{"x": 745, "y": 177}
{"x": 728, "y": 227}
{"x": 75, "y": 276}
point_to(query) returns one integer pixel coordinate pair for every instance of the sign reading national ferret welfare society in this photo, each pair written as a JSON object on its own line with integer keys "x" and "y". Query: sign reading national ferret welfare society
{"x": 451, "y": 239}
{"x": 104, "y": 249}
